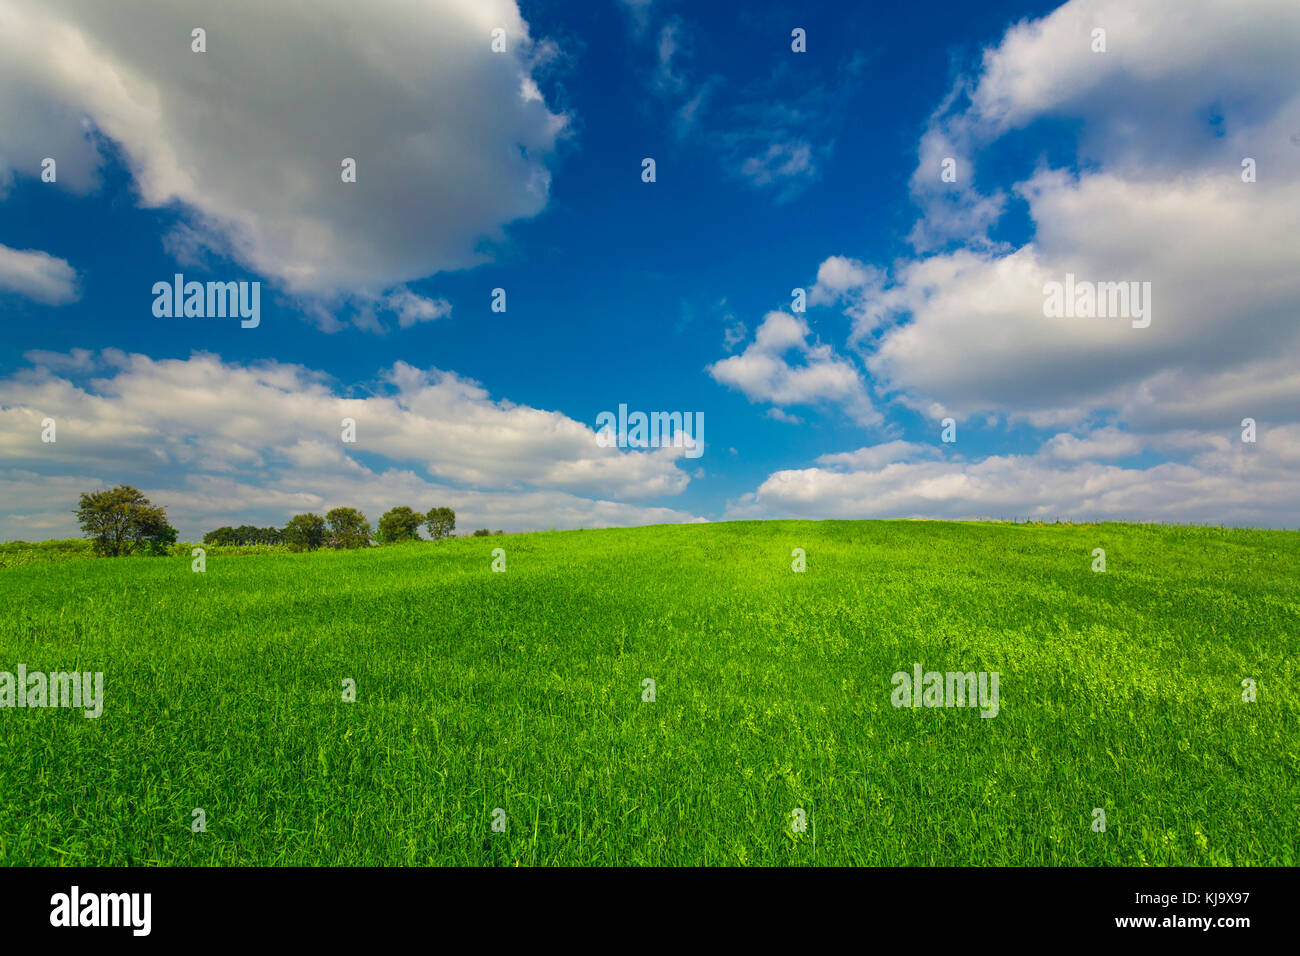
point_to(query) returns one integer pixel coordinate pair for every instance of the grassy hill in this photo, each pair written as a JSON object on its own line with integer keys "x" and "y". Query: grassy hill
{"x": 523, "y": 690}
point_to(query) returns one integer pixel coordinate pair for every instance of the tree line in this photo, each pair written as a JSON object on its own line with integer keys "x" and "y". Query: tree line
{"x": 123, "y": 521}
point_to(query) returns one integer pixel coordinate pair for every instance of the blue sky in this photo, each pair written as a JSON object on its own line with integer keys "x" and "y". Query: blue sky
{"x": 774, "y": 170}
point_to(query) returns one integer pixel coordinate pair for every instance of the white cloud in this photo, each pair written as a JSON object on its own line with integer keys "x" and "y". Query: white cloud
{"x": 39, "y": 506}
{"x": 412, "y": 309}
{"x": 762, "y": 373}
{"x": 271, "y": 433}
{"x": 1105, "y": 443}
{"x": 876, "y": 456}
{"x": 853, "y": 285}
{"x": 74, "y": 360}
{"x": 1225, "y": 481}
{"x": 1217, "y": 252}
{"x": 1165, "y": 117}
{"x": 1166, "y": 59}
{"x": 1159, "y": 199}
{"x": 37, "y": 275}
{"x": 450, "y": 139}
{"x": 837, "y": 276}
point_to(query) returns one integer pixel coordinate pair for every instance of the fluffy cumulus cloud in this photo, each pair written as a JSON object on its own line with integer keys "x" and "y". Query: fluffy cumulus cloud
{"x": 763, "y": 373}
{"x": 1185, "y": 92}
{"x": 1221, "y": 298}
{"x": 221, "y": 443}
{"x": 451, "y": 140}
{"x": 37, "y": 275}
{"x": 1223, "y": 481}
{"x": 852, "y": 285}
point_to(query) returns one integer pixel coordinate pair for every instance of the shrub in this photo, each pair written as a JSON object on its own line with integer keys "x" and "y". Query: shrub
{"x": 159, "y": 542}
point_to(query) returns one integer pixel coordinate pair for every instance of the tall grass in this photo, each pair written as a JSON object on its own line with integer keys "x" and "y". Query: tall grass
{"x": 523, "y": 691}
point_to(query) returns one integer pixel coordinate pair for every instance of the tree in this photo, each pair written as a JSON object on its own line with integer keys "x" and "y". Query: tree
{"x": 349, "y": 528}
{"x": 306, "y": 532}
{"x": 400, "y": 524}
{"x": 121, "y": 520}
{"x": 482, "y": 533}
{"x": 223, "y": 535}
{"x": 440, "y": 522}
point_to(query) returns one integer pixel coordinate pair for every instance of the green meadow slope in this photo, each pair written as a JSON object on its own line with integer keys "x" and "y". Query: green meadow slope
{"x": 523, "y": 690}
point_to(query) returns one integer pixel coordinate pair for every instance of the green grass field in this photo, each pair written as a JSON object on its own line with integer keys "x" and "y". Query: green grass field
{"x": 523, "y": 690}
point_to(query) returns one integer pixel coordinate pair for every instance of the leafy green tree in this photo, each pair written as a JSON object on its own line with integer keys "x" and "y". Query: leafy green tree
{"x": 223, "y": 535}
{"x": 482, "y": 533}
{"x": 400, "y": 524}
{"x": 349, "y": 528}
{"x": 121, "y": 520}
{"x": 440, "y": 522}
{"x": 306, "y": 532}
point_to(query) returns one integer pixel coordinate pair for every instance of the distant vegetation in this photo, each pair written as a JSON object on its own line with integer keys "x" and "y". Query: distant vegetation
{"x": 244, "y": 534}
{"x": 122, "y": 521}
{"x": 15, "y": 554}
